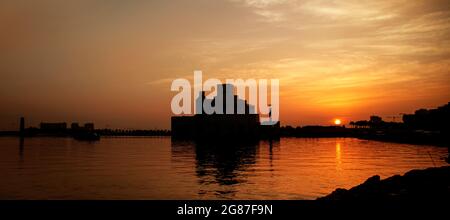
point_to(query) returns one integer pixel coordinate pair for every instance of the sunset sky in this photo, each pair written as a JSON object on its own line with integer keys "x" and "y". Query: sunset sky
{"x": 112, "y": 62}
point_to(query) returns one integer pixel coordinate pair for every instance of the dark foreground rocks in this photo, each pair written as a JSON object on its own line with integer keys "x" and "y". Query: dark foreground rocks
{"x": 431, "y": 183}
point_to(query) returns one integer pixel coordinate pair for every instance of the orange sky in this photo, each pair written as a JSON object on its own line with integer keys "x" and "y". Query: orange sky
{"x": 112, "y": 62}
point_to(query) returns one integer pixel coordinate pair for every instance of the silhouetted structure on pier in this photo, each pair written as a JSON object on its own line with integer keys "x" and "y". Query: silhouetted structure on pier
{"x": 57, "y": 129}
{"x": 53, "y": 127}
{"x": 87, "y": 132}
{"x": 227, "y": 126}
{"x": 88, "y": 127}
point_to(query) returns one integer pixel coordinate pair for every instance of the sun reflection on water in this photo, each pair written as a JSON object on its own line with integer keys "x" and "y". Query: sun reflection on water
{"x": 338, "y": 156}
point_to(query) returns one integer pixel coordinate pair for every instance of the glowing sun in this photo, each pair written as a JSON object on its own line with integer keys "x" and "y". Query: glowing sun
{"x": 337, "y": 121}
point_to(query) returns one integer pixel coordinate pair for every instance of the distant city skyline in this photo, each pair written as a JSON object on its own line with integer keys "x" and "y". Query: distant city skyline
{"x": 113, "y": 63}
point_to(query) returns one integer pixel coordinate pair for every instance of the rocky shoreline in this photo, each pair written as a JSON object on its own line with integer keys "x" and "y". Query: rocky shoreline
{"x": 431, "y": 183}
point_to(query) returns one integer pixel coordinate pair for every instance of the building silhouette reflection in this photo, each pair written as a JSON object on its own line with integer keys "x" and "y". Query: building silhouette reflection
{"x": 224, "y": 165}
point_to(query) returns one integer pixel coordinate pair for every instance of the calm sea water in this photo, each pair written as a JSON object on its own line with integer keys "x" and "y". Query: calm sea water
{"x": 157, "y": 168}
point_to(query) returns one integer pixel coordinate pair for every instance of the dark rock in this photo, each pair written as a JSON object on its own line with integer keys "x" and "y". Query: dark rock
{"x": 431, "y": 183}
{"x": 372, "y": 180}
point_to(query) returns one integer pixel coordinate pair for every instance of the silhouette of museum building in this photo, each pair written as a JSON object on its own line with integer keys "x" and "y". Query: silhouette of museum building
{"x": 226, "y": 126}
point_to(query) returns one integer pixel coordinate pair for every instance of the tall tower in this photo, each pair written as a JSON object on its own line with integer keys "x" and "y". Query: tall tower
{"x": 22, "y": 126}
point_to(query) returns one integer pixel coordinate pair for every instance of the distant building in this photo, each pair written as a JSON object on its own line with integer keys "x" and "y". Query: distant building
{"x": 22, "y": 126}
{"x": 222, "y": 126}
{"x": 429, "y": 119}
{"x": 89, "y": 126}
{"x": 74, "y": 126}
